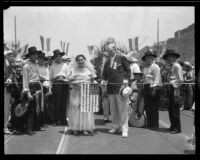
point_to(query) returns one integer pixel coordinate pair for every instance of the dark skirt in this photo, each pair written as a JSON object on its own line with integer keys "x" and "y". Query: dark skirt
{"x": 60, "y": 97}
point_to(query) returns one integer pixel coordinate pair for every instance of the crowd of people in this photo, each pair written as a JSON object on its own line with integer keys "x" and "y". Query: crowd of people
{"x": 44, "y": 90}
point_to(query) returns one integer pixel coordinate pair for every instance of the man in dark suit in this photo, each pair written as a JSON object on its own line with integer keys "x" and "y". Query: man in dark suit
{"x": 116, "y": 72}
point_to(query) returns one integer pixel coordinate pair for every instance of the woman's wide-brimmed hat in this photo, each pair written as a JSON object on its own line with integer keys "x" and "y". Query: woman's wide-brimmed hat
{"x": 170, "y": 52}
{"x": 148, "y": 54}
{"x": 57, "y": 52}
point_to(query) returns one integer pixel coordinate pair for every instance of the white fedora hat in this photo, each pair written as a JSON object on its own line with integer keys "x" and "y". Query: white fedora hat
{"x": 125, "y": 91}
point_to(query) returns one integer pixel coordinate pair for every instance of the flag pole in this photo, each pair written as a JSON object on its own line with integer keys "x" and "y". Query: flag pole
{"x": 15, "y": 33}
{"x": 157, "y": 35}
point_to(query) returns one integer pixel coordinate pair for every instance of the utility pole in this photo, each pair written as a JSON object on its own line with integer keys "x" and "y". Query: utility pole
{"x": 157, "y": 35}
{"x": 15, "y": 33}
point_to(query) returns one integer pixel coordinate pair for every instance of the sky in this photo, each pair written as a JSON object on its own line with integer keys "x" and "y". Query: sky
{"x": 82, "y": 26}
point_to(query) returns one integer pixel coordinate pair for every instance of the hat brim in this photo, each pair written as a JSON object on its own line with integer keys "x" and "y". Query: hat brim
{"x": 138, "y": 73}
{"x": 177, "y": 55}
{"x": 131, "y": 59}
{"x": 150, "y": 55}
{"x": 28, "y": 54}
{"x": 61, "y": 53}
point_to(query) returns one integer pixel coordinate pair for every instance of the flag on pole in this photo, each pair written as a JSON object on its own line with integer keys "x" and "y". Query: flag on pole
{"x": 130, "y": 41}
{"x": 91, "y": 49}
{"x": 66, "y": 53}
{"x": 42, "y": 42}
{"x": 136, "y": 44}
{"x": 48, "y": 44}
{"x": 18, "y": 44}
{"x": 63, "y": 49}
{"x": 61, "y": 43}
{"x": 133, "y": 44}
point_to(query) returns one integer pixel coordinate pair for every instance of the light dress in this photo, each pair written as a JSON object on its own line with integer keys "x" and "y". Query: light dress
{"x": 79, "y": 121}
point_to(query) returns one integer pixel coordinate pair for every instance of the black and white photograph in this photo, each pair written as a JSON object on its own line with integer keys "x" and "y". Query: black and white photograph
{"x": 99, "y": 80}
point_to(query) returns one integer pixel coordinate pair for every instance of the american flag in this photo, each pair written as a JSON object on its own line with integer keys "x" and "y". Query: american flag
{"x": 89, "y": 96}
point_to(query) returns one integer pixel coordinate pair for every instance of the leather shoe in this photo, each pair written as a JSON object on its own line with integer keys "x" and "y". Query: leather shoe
{"x": 175, "y": 131}
{"x": 29, "y": 132}
{"x": 155, "y": 128}
{"x": 170, "y": 129}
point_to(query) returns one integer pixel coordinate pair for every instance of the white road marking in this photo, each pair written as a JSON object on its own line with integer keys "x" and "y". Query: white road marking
{"x": 60, "y": 147}
{"x": 66, "y": 142}
{"x": 8, "y": 139}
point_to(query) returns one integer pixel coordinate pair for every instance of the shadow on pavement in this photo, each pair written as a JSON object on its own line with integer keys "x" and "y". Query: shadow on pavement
{"x": 189, "y": 151}
{"x": 99, "y": 122}
{"x": 103, "y": 130}
{"x": 164, "y": 130}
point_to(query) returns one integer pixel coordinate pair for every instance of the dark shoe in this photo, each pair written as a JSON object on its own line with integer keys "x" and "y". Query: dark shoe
{"x": 106, "y": 121}
{"x": 75, "y": 132}
{"x": 170, "y": 129}
{"x": 91, "y": 133}
{"x": 17, "y": 132}
{"x": 155, "y": 128}
{"x": 64, "y": 123}
{"x": 175, "y": 131}
{"x": 29, "y": 132}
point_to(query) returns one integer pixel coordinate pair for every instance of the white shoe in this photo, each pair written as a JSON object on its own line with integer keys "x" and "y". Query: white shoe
{"x": 124, "y": 134}
{"x": 112, "y": 130}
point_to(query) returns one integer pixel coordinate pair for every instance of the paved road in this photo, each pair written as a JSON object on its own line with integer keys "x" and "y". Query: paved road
{"x": 56, "y": 140}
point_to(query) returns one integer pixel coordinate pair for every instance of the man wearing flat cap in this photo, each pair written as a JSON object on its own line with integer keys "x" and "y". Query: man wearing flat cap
{"x": 59, "y": 76}
{"x": 175, "y": 79}
{"x": 152, "y": 90}
{"x": 116, "y": 72}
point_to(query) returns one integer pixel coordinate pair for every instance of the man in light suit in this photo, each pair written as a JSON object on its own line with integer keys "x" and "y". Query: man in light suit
{"x": 116, "y": 73}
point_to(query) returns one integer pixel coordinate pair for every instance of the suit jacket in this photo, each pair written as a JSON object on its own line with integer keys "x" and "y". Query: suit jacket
{"x": 117, "y": 73}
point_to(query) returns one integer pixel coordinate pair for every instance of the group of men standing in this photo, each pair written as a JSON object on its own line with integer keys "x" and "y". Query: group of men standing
{"x": 30, "y": 82}
{"x": 117, "y": 74}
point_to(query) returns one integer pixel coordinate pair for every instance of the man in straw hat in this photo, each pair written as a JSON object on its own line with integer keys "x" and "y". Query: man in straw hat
{"x": 188, "y": 77}
{"x": 31, "y": 85}
{"x": 152, "y": 89}
{"x": 116, "y": 72}
{"x": 175, "y": 79}
{"x": 59, "y": 76}
{"x": 137, "y": 96}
